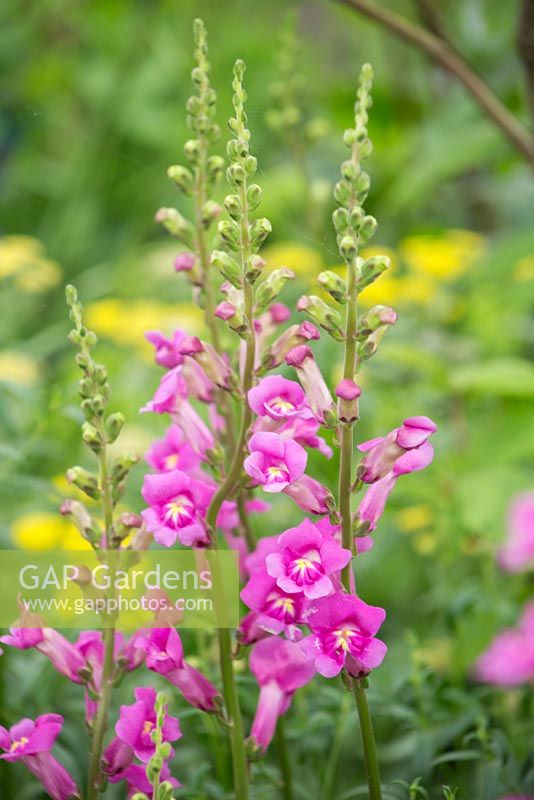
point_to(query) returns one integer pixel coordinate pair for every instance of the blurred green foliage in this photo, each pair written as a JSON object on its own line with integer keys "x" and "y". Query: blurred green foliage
{"x": 92, "y": 115}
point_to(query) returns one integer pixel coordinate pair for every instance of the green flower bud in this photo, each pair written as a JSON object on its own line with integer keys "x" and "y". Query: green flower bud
{"x": 85, "y": 387}
{"x": 114, "y": 425}
{"x": 348, "y": 247}
{"x": 182, "y": 177}
{"x": 369, "y": 346}
{"x": 165, "y": 750}
{"x": 154, "y": 767}
{"x": 371, "y": 269}
{"x": 99, "y": 403}
{"x": 324, "y": 315}
{"x": 82, "y": 360}
{"x": 100, "y": 374}
{"x": 349, "y": 137}
{"x": 232, "y": 204}
{"x": 350, "y": 171}
{"x": 373, "y": 319}
{"x": 270, "y": 288}
{"x": 230, "y": 234}
{"x": 334, "y": 285}
{"x": 342, "y": 193}
{"x": 368, "y": 228}
{"x": 235, "y": 175}
{"x": 209, "y": 213}
{"x": 259, "y": 231}
{"x": 122, "y": 465}
{"x": 84, "y": 480}
{"x": 215, "y": 168}
{"x": 356, "y": 217}
{"x": 165, "y": 791}
{"x": 254, "y": 267}
{"x": 91, "y": 437}
{"x": 177, "y": 225}
{"x": 251, "y": 165}
{"x": 340, "y": 218}
{"x": 228, "y": 267}
{"x": 192, "y": 150}
{"x": 254, "y": 195}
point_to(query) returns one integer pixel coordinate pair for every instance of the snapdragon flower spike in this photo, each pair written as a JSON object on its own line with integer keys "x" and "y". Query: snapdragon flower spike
{"x": 306, "y": 559}
{"x": 215, "y": 367}
{"x": 277, "y": 398}
{"x": 177, "y": 508}
{"x": 517, "y": 554}
{"x": 137, "y": 782}
{"x": 292, "y": 337}
{"x": 165, "y": 655}
{"x": 280, "y": 668}
{"x": 273, "y": 463}
{"x": 64, "y": 656}
{"x": 509, "y": 660}
{"x": 403, "y": 450}
{"x": 134, "y": 732}
{"x": 348, "y": 393}
{"x": 173, "y": 452}
{"x": 302, "y": 360}
{"x": 31, "y": 742}
{"x": 274, "y": 610}
{"x": 343, "y": 636}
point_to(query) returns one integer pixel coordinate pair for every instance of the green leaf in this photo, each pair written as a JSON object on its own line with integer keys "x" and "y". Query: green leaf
{"x": 500, "y": 377}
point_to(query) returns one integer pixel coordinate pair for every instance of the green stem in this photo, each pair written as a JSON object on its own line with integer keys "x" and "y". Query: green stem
{"x": 368, "y": 741}
{"x": 285, "y": 762}
{"x": 101, "y": 719}
{"x": 235, "y": 720}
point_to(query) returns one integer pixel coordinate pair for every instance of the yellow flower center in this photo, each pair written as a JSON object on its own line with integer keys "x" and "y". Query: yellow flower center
{"x": 19, "y": 743}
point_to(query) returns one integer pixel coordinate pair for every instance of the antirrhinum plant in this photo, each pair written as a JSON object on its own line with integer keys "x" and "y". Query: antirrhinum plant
{"x": 240, "y": 432}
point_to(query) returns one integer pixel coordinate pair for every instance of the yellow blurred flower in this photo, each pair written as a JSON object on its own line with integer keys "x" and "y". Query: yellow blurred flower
{"x": 23, "y": 259}
{"x": 436, "y": 654}
{"x": 43, "y": 530}
{"x": 17, "y": 367}
{"x": 413, "y": 518}
{"x": 524, "y": 270}
{"x": 301, "y": 259}
{"x": 444, "y": 256}
{"x": 126, "y": 321}
{"x": 424, "y": 543}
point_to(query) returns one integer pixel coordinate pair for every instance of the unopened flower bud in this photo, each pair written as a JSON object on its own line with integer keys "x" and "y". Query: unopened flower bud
{"x": 209, "y": 212}
{"x": 91, "y": 437}
{"x": 375, "y": 318}
{"x": 80, "y": 516}
{"x": 215, "y": 367}
{"x": 368, "y": 228}
{"x": 182, "y": 177}
{"x": 122, "y": 465}
{"x": 340, "y": 218}
{"x": 342, "y": 193}
{"x": 302, "y": 360}
{"x": 235, "y": 175}
{"x": 254, "y": 195}
{"x": 192, "y": 150}
{"x": 114, "y": 425}
{"x": 232, "y": 315}
{"x": 259, "y": 231}
{"x": 84, "y": 480}
{"x": 228, "y": 267}
{"x": 177, "y": 225}
{"x": 229, "y": 233}
{"x": 270, "y": 288}
{"x": 371, "y": 269}
{"x": 334, "y": 285}
{"x": 348, "y": 247}
{"x": 347, "y": 393}
{"x": 254, "y": 267}
{"x": 215, "y": 168}
{"x": 323, "y": 314}
{"x": 369, "y": 346}
{"x": 292, "y": 337}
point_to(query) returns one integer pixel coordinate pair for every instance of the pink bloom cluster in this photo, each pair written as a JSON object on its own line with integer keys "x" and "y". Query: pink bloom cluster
{"x": 517, "y": 554}
{"x": 509, "y": 660}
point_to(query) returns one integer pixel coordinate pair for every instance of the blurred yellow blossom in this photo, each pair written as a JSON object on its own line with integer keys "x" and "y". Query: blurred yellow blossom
{"x": 443, "y": 256}
{"x": 126, "y": 321}
{"x": 301, "y": 259}
{"x": 18, "y": 367}
{"x": 524, "y": 270}
{"x": 43, "y": 530}
{"x": 413, "y": 518}
{"x": 425, "y": 543}
{"x": 23, "y": 259}
{"x": 435, "y": 653}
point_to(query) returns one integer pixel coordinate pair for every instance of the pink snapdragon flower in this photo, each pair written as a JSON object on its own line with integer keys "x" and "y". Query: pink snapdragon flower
{"x": 302, "y": 360}
{"x": 273, "y": 609}
{"x": 30, "y": 742}
{"x": 311, "y": 496}
{"x": 184, "y": 262}
{"x": 165, "y": 655}
{"x": 273, "y": 463}
{"x": 509, "y": 660}
{"x": 63, "y": 655}
{"x": 518, "y": 551}
{"x": 206, "y": 357}
{"x": 173, "y": 452}
{"x": 133, "y": 732}
{"x": 343, "y": 630}
{"x": 277, "y": 398}
{"x": 303, "y": 430}
{"x": 167, "y": 351}
{"x": 178, "y": 506}
{"x": 171, "y": 390}
{"x": 292, "y": 337}
{"x": 305, "y": 561}
{"x": 280, "y": 667}
{"x": 405, "y": 449}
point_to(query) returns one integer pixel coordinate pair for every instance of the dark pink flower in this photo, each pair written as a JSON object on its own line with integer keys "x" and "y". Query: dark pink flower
{"x": 518, "y": 552}
{"x": 304, "y": 431}
{"x": 292, "y": 337}
{"x": 343, "y": 629}
{"x": 273, "y": 463}
{"x": 63, "y": 654}
{"x": 165, "y": 655}
{"x": 30, "y": 742}
{"x": 275, "y": 610}
{"x": 348, "y": 393}
{"x": 184, "y": 262}
{"x": 134, "y": 728}
{"x": 305, "y": 560}
{"x": 204, "y": 354}
{"x": 277, "y": 398}
{"x": 137, "y": 781}
{"x": 167, "y": 351}
{"x": 280, "y": 668}
{"x": 173, "y": 452}
{"x": 509, "y": 660}
{"x": 178, "y": 507}
{"x": 171, "y": 390}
